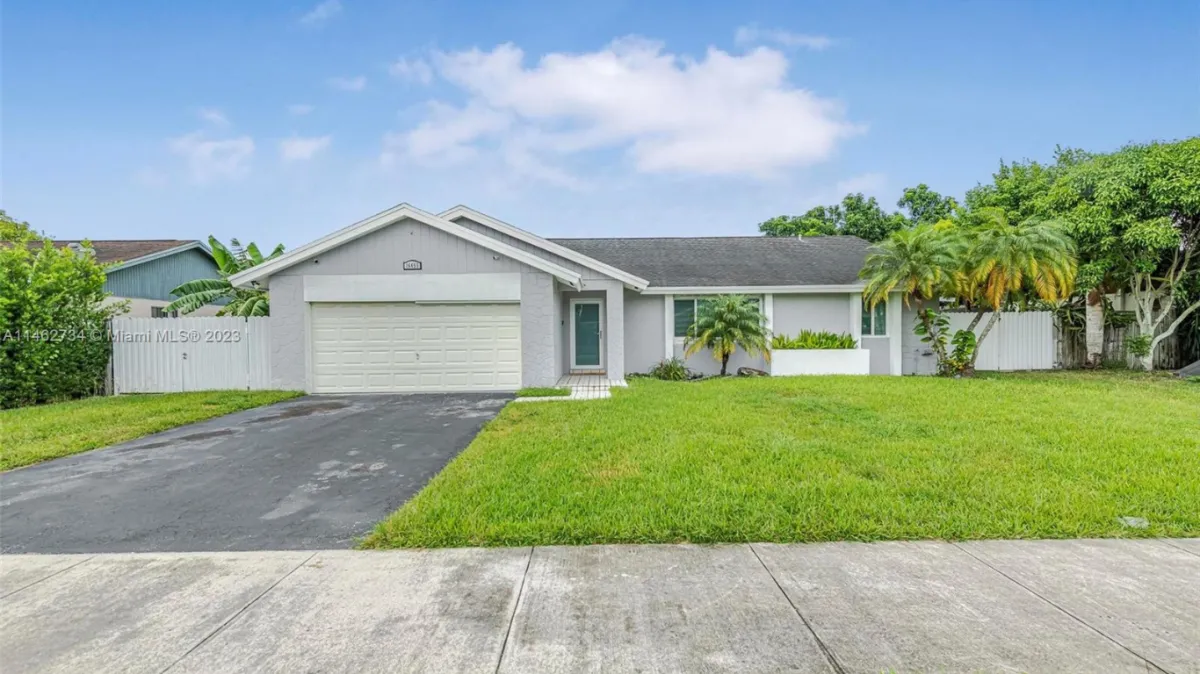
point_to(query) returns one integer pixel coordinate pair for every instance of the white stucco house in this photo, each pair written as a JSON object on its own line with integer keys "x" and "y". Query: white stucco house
{"x": 408, "y": 300}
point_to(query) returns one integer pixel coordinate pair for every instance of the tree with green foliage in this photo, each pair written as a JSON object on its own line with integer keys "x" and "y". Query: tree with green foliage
{"x": 230, "y": 260}
{"x": 857, "y": 215}
{"x": 53, "y": 333}
{"x": 1003, "y": 262}
{"x": 1135, "y": 214}
{"x": 725, "y": 324}
{"x": 922, "y": 264}
{"x": 14, "y": 230}
{"x": 984, "y": 261}
{"x": 926, "y": 207}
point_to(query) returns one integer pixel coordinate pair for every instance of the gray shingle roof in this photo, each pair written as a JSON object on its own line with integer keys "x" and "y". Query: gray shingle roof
{"x": 731, "y": 261}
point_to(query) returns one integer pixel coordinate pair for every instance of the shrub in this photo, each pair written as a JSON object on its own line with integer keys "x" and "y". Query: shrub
{"x": 1138, "y": 345}
{"x": 53, "y": 339}
{"x": 671, "y": 369}
{"x": 809, "y": 339}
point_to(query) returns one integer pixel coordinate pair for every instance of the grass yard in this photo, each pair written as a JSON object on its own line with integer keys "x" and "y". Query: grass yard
{"x": 825, "y": 458}
{"x": 543, "y": 392}
{"x": 33, "y": 434}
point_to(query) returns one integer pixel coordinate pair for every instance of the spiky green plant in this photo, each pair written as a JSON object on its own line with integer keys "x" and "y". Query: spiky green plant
{"x": 230, "y": 260}
{"x": 810, "y": 339}
{"x": 725, "y": 324}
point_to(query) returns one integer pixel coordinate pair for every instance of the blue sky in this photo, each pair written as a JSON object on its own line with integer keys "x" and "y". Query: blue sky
{"x": 281, "y": 121}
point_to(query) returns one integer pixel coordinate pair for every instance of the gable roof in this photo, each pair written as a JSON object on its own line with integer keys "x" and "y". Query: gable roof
{"x": 388, "y": 217}
{"x": 129, "y": 252}
{"x": 460, "y": 211}
{"x": 734, "y": 261}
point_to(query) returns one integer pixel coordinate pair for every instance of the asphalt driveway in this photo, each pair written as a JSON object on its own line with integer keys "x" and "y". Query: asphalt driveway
{"x": 310, "y": 473}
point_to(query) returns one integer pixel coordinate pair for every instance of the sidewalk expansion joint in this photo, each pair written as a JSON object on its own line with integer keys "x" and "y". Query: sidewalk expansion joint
{"x": 238, "y": 613}
{"x": 1074, "y": 617}
{"x": 512, "y": 619}
{"x": 39, "y": 580}
{"x": 825, "y": 650}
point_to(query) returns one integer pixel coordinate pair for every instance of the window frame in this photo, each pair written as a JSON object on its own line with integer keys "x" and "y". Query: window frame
{"x": 878, "y": 324}
{"x": 695, "y": 300}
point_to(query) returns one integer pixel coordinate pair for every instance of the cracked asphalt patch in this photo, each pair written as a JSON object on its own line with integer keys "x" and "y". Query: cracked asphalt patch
{"x": 310, "y": 473}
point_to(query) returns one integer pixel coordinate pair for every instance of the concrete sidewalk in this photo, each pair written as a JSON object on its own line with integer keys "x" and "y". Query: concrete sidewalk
{"x": 1035, "y": 606}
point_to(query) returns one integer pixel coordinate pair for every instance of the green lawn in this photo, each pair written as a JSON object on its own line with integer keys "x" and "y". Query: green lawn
{"x": 825, "y": 458}
{"x": 543, "y": 392}
{"x": 43, "y": 432}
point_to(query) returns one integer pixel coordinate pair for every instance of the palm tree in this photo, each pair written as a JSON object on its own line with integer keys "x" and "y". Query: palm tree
{"x": 923, "y": 263}
{"x": 1006, "y": 261}
{"x": 242, "y": 302}
{"x": 725, "y": 324}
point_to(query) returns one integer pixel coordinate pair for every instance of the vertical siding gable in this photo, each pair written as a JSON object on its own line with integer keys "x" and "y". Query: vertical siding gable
{"x": 156, "y": 279}
{"x": 384, "y": 252}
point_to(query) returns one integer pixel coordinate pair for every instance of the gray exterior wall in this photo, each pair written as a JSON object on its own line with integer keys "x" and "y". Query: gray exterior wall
{"x": 644, "y": 328}
{"x": 289, "y": 334}
{"x": 156, "y": 279}
{"x": 793, "y": 313}
{"x": 916, "y": 357}
{"x": 881, "y": 354}
{"x": 383, "y": 252}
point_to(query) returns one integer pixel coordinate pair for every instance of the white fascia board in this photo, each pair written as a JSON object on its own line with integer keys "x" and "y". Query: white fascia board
{"x": 439, "y": 288}
{"x": 634, "y": 282}
{"x": 753, "y": 290}
{"x": 160, "y": 254}
{"x": 388, "y": 217}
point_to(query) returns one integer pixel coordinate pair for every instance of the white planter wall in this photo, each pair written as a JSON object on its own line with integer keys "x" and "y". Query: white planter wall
{"x": 788, "y": 362}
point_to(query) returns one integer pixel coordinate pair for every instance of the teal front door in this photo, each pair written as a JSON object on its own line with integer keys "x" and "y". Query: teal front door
{"x": 586, "y": 335}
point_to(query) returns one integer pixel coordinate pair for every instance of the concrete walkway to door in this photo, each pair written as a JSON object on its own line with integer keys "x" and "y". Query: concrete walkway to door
{"x": 1032, "y": 606}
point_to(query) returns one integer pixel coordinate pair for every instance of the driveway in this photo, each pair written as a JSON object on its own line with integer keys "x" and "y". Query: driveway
{"x": 310, "y": 473}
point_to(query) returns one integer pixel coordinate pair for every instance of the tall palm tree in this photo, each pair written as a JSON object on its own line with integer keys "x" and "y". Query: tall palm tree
{"x": 242, "y": 302}
{"x": 1005, "y": 261}
{"x": 725, "y": 324}
{"x": 923, "y": 263}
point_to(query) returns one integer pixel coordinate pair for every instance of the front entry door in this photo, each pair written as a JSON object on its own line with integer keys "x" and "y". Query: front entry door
{"x": 587, "y": 334}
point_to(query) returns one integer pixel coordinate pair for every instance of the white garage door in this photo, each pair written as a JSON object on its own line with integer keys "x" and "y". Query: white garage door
{"x": 382, "y": 347}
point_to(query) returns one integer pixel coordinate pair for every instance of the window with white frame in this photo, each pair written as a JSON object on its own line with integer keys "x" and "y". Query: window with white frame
{"x": 685, "y": 312}
{"x": 874, "y": 321}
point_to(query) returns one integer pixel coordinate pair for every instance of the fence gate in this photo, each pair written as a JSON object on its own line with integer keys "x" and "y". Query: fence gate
{"x": 166, "y": 355}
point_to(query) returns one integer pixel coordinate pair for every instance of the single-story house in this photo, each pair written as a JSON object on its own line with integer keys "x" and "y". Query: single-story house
{"x": 144, "y": 272}
{"x": 407, "y": 301}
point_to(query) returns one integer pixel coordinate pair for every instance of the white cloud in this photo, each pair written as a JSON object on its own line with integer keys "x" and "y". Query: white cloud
{"x": 321, "y": 13}
{"x": 867, "y": 183}
{"x": 300, "y": 109}
{"x": 214, "y": 116}
{"x": 211, "y": 159}
{"x": 299, "y": 148}
{"x": 722, "y": 114}
{"x": 750, "y": 35}
{"x": 414, "y": 70}
{"x": 357, "y": 83}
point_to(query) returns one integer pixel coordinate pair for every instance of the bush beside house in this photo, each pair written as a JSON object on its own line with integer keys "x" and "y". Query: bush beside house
{"x": 53, "y": 341}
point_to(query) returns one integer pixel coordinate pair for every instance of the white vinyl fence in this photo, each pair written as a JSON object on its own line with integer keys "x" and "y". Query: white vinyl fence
{"x": 1020, "y": 340}
{"x": 165, "y": 355}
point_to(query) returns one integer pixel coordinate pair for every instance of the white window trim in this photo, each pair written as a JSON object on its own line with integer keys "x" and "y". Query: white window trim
{"x": 603, "y": 316}
{"x": 887, "y": 315}
{"x": 671, "y": 310}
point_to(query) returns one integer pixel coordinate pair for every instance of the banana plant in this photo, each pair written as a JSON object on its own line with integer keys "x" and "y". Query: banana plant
{"x": 230, "y": 260}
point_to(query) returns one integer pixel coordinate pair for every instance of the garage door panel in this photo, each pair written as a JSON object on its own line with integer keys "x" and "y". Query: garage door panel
{"x": 398, "y": 347}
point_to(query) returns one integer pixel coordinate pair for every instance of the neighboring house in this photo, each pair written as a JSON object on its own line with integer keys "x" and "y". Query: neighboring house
{"x": 411, "y": 301}
{"x": 145, "y": 272}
